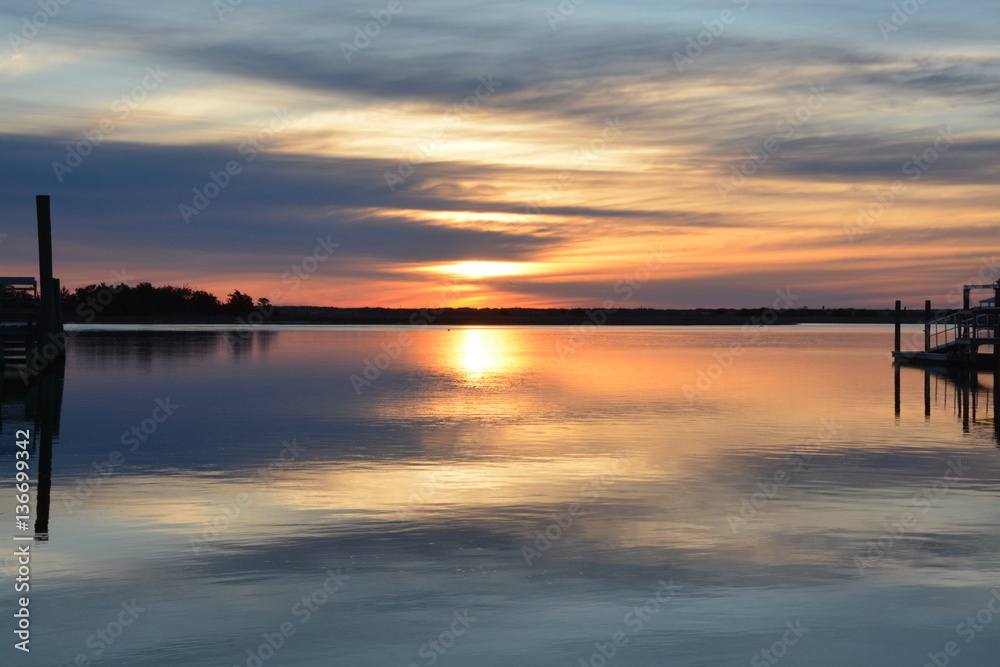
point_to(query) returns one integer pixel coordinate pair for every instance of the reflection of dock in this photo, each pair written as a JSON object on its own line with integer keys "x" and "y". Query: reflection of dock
{"x": 31, "y": 328}
{"x": 37, "y": 406}
{"x": 960, "y": 390}
{"x": 958, "y": 338}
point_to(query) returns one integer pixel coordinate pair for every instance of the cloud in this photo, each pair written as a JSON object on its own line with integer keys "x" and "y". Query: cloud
{"x": 129, "y": 194}
{"x": 871, "y": 159}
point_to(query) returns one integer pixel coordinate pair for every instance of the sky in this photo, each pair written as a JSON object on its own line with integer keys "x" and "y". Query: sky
{"x": 581, "y": 153}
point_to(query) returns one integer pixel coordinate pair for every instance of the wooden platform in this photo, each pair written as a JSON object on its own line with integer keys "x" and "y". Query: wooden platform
{"x": 19, "y": 315}
{"x": 945, "y": 359}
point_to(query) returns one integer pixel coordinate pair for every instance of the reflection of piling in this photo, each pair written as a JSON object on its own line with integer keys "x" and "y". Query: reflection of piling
{"x": 896, "y": 369}
{"x": 43, "y": 404}
{"x": 966, "y": 386}
{"x": 42, "y": 401}
{"x": 48, "y": 407}
{"x": 927, "y": 396}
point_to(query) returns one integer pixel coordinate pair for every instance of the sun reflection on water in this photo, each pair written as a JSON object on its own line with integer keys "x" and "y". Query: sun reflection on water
{"x": 482, "y": 353}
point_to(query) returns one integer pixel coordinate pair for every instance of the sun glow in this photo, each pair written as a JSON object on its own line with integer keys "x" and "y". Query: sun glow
{"x": 477, "y": 269}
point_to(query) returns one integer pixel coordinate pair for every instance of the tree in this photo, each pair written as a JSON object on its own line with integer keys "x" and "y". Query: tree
{"x": 204, "y": 303}
{"x": 240, "y": 302}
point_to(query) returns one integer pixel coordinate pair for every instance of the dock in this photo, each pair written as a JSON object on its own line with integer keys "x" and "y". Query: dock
{"x": 965, "y": 338}
{"x": 33, "y": 344}
{"x": 31, "y": 322}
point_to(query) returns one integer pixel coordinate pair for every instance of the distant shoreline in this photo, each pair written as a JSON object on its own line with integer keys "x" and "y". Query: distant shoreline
{"x": 308, "y": 315}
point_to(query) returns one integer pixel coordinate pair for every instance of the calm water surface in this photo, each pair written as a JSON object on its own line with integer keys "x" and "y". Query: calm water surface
{"x": 510, "y": 496}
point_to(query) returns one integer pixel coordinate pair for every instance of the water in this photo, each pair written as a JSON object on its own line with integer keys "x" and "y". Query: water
{"x": 509, "y": 496}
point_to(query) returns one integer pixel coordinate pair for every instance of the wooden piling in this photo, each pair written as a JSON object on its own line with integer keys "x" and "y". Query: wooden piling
{"x": 57, "y": 305}
{"x": 899, "y": 322}
{"x": 996, "y": 304}
{"x": 996, "y": 393}
{"x": 50, "y": 312}
{"x": 44, "y": 265}
{"x": 927, "y": 325}
{"x": 44, "y": 239}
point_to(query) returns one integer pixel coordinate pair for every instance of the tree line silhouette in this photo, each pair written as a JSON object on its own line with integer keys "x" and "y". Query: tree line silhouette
{"x": 146, "y": 300}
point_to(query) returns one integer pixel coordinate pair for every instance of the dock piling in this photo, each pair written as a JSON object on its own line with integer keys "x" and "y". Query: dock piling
{"x": 899, "y": 321}
{"x": 927, "y": 325}
{"x": 50, "y": 310}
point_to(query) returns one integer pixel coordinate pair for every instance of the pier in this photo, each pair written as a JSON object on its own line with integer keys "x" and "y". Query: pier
{"x": 31, "y": 322}
{"x": 32, "y": 342}
{"x": 964, "y": 338}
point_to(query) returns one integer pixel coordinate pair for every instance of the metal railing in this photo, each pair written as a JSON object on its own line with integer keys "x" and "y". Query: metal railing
{"x": 18, "y": 300}
{"x": 963, "y": 325}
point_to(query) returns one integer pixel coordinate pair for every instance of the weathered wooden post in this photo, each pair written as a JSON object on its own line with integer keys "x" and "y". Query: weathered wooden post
{"x": 49, "y": 314}
{"x": 57, "y": 305}
{"x": 44, "y": 265}
{"x": 996, "y": 393}
{"x": 996, "y": 330}
{"x": 996, "y": 304}
{"x": 927, "y": 325}
{"x": 899, "y": 319}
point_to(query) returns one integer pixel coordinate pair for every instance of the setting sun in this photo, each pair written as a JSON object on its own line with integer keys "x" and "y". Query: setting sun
{"x": 477, "y": 269}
